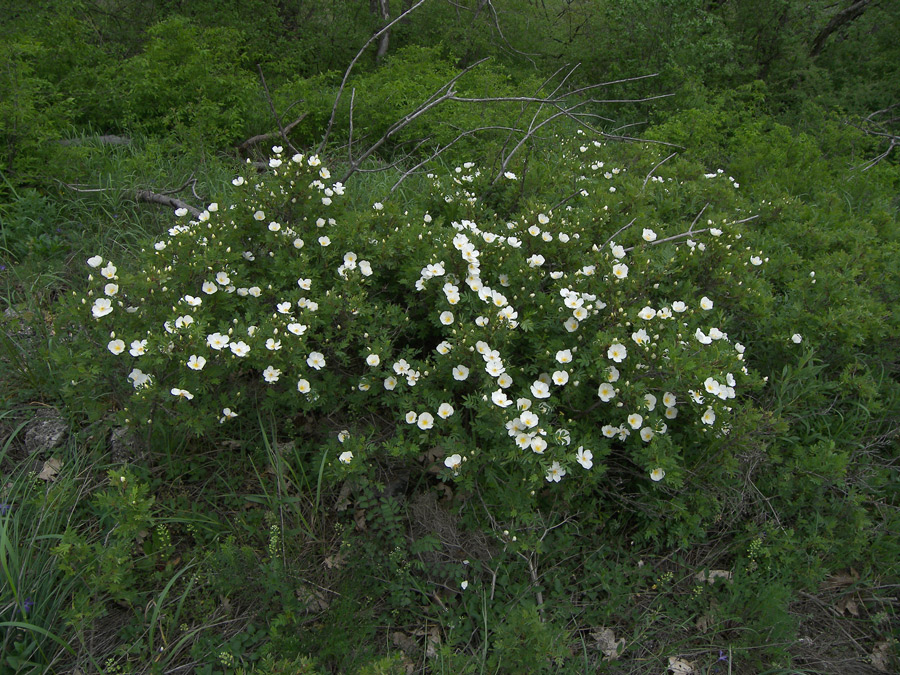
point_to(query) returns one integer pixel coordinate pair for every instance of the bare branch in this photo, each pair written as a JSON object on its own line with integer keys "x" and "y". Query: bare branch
{"x": 260, "y": 138}
{"x": 617, "y": 232}
{"x": 165, "y": 200}
{"x": 440, "y": 150}
{"x": 275, "y": 114}
{"x": 431, "y": 102}
{"x": 350, "y": 139}
{"x": 655, "y": 167}
{"x": 356, "y": 58}
{"x": 146, "y": 195}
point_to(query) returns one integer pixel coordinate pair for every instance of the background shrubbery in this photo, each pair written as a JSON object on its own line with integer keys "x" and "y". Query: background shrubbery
{"x": 325, "y": 530}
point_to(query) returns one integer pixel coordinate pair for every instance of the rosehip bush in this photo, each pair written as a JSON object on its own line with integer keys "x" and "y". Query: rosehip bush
{"x": 557, "y": 346}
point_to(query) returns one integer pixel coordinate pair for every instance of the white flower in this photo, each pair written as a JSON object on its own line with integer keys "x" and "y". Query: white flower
{"x": 217, "y": 341}
{"x": 227, "y": 414}
{"x": 540, "y": 389}
{"x": 446, "y": 318}
{"x": 102, "y": 307}
{"x": 584, "y": 457}
{"x": 237, "y": 182}
{"x": 182, "y": 393}
{"x": 464, "y": 584}
{"x": 324, "y": 241}
{"x": 196, "y": 362}
{"x": 273, "y": 345}
{"x": 303, "y": 386}
{"x": 345, "y": 457}
{"x": 138, "y": 348}
{"x": 425, "y": 421}
{"x": 609, "y": 430}
{"x": 617, "y": 352}
{"x": 445, "y": 410}
{"x": 240, "y": 348}
{"x": 509, "y": 175}
{"x": 678, "y": 306}
{"x": 535, "y": 260}
{"x": 138, "y": 378}
{"x": 259, "y": 215}
{"x": 756, "y": 260}
{"x": 500, "y": 398}
{"x": 192, "y": 301}
{"x": 640, "y": 337}
{"x": 796, "y": 338}
{"x": 444, "y": 347}
{"x": 709, "y": 417}
{"x": 646, "y": 434}
{"x": 650, "y": 401}
{"x": 649, "y": 235}
{"x": 390, "y": 382}
{"x": 669, "y": 399}
{"x": 657, "y": 474}
{"x": 111, "y": 289}
{"x": 109, "y": 271}
{"x": 647, "y": 313}
{"x": 453, "y": 462}
{"x": 620, "y": 271}
{"x": 95, "y": 261}
{"x": 116, "y": 346}
{"x": 571, "y": 324}
{"x": 316, "y": 360}
{"x": 271, "y": 374}
{"x": 564, "y": 356}
{"x": 529, "y": 419}
{"x": 706, "y": 303}
{"x": 296, "y": 328}
{"x": 538, "y": 445}
{"x": 555, "y": 473}
{"x": 209, "y": 287}
{"x": 460, "y": 372}
{"x": 560, "y": 377}
{"x": 274, "y": 227}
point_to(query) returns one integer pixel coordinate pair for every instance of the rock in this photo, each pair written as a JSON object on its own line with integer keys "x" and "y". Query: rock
{"x": 123, "y": 445}
{"x": 45, "y": 432}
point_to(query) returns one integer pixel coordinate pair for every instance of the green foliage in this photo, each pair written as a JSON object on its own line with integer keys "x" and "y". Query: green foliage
{"x": 105, "y": 560}
{"x": 366, "y": 509}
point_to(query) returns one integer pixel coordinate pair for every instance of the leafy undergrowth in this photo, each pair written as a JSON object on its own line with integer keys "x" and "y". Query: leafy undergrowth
{"x": 663, "y": 438}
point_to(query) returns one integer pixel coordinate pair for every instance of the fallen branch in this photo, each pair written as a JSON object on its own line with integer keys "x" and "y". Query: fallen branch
{"x": 260, "y": 138}
{"x": 109, "y": 139}
{"x": 164, "y": 200}
{"x": 147, "y": 196}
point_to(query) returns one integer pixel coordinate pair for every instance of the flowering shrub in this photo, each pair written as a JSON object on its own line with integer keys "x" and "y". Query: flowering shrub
{"x": 553, "y": 344}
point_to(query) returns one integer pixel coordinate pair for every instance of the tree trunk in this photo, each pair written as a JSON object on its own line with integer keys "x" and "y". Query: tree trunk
{"x": 843, "y": 17}
{"x": 383, "y": 42}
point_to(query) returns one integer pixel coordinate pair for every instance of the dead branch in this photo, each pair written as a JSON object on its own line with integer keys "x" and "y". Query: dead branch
{"x": 436, "y": 153}
{"x": 356, "y": 58}
{"x": 275, "y": 114}
{"x": 431, "y": 102}
{"x": 871, "y": 125}
{"x": 165, "y": 200}
{"x": 147, "y": 196}
{"x": 655, "y": 167}
{"x": 109, "y": 139}
{"x": 261, "y": 138}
